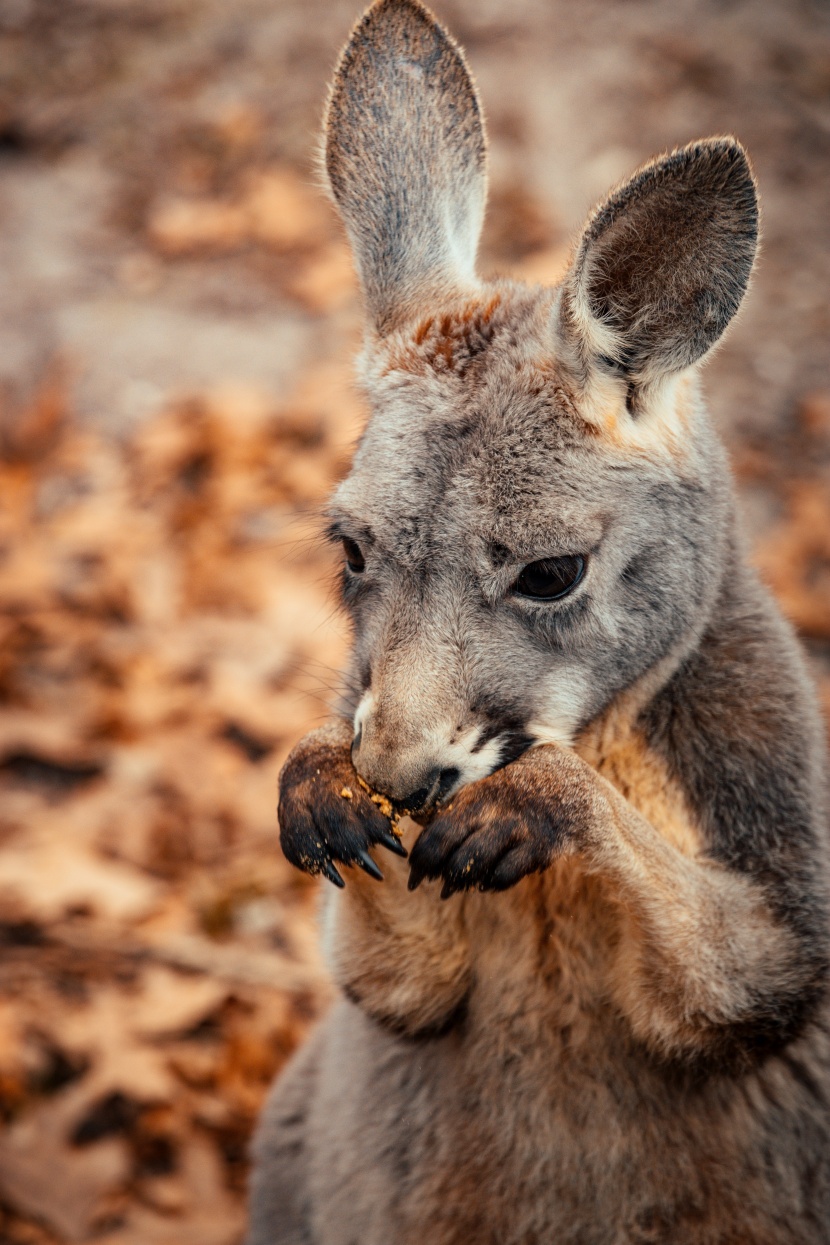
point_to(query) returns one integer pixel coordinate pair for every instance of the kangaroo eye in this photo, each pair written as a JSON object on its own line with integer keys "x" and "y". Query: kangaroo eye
{"x": 354, "y": 557}
{"x": 551, "y": 578}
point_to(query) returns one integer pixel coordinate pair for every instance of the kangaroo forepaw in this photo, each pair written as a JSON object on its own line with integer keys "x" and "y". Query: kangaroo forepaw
{"x": 326, "y": 817}
{"x": 498, "y": 830}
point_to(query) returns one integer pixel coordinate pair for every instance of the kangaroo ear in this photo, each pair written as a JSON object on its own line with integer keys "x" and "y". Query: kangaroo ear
{"x": 664, "y": 263}
{"x": 405, "y": 154}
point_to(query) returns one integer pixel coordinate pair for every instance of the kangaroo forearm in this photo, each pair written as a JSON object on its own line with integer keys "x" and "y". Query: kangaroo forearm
{"x": 402, "y": 957}
{"x": 702, "y": 954}
{"x": 705, "y": 956}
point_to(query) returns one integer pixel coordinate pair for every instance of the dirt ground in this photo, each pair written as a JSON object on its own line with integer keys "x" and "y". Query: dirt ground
{"x": 177, "y": 320}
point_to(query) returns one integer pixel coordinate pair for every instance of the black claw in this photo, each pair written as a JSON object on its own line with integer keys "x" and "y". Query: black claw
{"x": 394, "y": 845}
{"x": 447, "y": 890}
{"x": 368, "y": 865}
{"x": 332, "y": 874}
{"x": 415, "y": 880}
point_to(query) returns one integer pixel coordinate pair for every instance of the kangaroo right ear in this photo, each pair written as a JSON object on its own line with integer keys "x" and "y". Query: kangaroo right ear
{"x": 405, "y": 155}
{"x": 664, "y": 263}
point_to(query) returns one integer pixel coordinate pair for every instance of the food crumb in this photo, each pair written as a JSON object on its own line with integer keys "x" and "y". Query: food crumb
{"x": 384, "y": 805}
{"x": 347, "y": 793}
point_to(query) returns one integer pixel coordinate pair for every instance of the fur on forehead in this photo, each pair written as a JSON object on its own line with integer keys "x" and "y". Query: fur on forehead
{"x": 437, "y": 368}
{"x": 475, "y": 409}
{"x": 461, "y": 338}
{"x": 477, "y": 362}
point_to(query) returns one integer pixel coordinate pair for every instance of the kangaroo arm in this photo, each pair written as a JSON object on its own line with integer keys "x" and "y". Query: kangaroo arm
{"x": 705, "y": 965}
{"x": 706, "y": 962}
{"x": 400, "y": 956}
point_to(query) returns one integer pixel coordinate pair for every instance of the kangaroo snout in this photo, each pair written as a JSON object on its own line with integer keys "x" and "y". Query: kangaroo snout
{"x": 414, "y": 782}
{"x": 405, "y": 761}
{"x": 420, "y": 757}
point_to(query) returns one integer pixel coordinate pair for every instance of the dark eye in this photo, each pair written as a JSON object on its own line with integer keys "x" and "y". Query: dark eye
{"x": 551, "y": 578}
{"x": 354, "y": 557}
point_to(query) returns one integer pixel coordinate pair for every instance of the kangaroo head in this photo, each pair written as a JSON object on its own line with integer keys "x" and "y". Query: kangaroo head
{"x": 538, "y": 512}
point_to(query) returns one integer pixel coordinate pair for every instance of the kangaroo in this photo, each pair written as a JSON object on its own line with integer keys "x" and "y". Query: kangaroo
{"x": 585, "y": 1005}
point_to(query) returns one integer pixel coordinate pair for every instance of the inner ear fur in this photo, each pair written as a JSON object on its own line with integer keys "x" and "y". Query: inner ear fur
{"x": 405, "y": 154}
{"x": 664, "y": 262}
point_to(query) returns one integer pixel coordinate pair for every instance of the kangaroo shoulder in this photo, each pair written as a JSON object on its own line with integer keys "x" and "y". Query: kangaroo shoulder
{"x": 730, "y": 747}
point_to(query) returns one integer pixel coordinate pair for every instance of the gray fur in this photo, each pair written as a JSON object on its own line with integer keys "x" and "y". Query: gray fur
{"x": 616, "y": 1029}
{"x": 405, "y": 156}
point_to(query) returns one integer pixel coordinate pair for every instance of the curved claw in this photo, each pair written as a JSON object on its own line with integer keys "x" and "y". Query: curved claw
{"x": 364, "y": 860}
{"x": 415, "y": 878}
{"x": 332, "y": 874}
{"x": 388, "y": 840}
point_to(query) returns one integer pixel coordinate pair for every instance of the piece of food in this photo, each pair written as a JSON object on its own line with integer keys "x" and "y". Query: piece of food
{"x": 385, "y": 805}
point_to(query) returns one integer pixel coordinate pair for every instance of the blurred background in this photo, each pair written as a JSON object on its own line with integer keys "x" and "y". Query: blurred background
{"x": 177, "y": 320}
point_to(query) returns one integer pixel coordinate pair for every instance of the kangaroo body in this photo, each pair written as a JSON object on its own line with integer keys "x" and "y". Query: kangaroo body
{"x": 614, "y": 1030}
{"x": 510, "y": 1132}
{"x": 536, "y": 1116}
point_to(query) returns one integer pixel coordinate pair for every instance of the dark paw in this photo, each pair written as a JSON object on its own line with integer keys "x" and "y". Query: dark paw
{"x": 325, "y": 815}
{"x": 497, "y": 831}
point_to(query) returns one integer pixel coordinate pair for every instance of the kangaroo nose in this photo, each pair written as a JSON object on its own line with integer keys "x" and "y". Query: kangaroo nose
{"x": 433, "y": 783}
{"x": 415, "y": 800}
{"x": 437, "y": 784}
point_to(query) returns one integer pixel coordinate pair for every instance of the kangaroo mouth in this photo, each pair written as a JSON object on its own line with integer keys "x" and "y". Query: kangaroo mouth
{"x": 435, "y": 800}
{"x": 431, "y": 801}
{"x": 424, "y": 816}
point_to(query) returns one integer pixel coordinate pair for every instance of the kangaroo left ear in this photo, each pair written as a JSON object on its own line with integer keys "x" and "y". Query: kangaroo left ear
{"x": 406, "y": 161}
{"x": 664, "y": 263}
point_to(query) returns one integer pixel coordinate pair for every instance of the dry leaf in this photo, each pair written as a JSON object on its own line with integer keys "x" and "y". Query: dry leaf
{"x": 546, "y": 267}
{"x": 795, "y": 558}
{"x": 326, "y": 282}
{"x": 814, "y": 416}
{"x": 184, "y": 226}
{"x": 72, "y": 1190}
{"x": 51, "y": 877}
{"x": 172, "y": 1003}
{"x": 284, "y": 211}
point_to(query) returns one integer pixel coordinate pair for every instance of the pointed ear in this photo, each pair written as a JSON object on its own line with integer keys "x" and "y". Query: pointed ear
{"x": 664, "y": 263}
{"x": 405, "y": 155}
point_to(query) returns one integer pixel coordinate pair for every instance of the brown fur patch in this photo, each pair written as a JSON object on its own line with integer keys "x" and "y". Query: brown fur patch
{"x": 403, "y": 958}
{"x": 448, "y": 342}
{"x": 616, "y": 749}
{"x": 660, "y": 431}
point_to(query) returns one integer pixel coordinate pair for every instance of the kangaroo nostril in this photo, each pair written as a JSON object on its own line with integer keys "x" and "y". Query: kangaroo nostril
{"x": 420, "y": 798}
{"x": 447, "y": 780}
{"x": 436, "y": 786}
{"x": 416, "y": 800}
